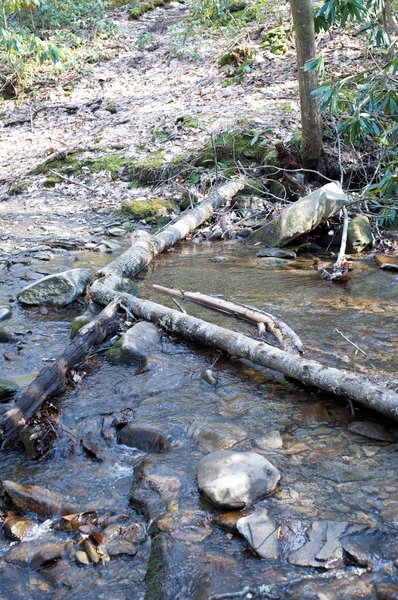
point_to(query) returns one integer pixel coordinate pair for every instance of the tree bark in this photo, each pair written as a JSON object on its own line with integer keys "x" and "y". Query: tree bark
{"x": 51, "y": 379}
{"x": 287, "y": 338}
{"x": 145, "y": 247}
{"x": 339, "y": 382}
{"x": 311, "y": 125}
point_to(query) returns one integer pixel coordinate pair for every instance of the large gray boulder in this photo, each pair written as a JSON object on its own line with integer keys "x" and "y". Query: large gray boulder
{"x": 236, "y": 479}
{"x": 59, "y": 289}
{"x": 303, "y": 216}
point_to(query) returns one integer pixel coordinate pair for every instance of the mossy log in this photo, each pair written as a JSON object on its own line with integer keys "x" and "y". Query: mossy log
{"x": 145, "y": 247}
{"x": 51, "y": 380}
{"x": 351, "y": 385}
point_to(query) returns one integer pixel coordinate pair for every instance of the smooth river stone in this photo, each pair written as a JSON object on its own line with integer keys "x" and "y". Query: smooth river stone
{"x": 236, "y": 479}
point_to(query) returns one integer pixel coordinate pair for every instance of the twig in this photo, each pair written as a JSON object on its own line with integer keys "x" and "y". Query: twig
{"x": 73, "y": 181}
{"x": 178, "y": 305}
{"x": 351, "y": 342}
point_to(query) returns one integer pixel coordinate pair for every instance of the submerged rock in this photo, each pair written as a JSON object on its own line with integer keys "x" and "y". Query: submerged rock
{"x": 236, "y": 479}
{"x": 367, "y": 548}
{"x": 6, "y": 336}
{"x": 59, "y": 289}
{"x": 5, "y": 313}
{"x": 272, "y": 263}
{"x": 143, "y": 438}
{"x": 374, "y": 431}
{"x": 47, "y": 554}
{"x": 213, "y": 436}
{"x": 387, "y": 262}
{"x": 261, "y": 532}
{"x": 7, "y": 389}
{"x": 276, "y": 253}
{"x": 18, "y": 528}
{"x": 303, "y": 216}
{"x": 34, "y": 498}
{"x": 135, "y": 344}
{"x": 359, "y": 234}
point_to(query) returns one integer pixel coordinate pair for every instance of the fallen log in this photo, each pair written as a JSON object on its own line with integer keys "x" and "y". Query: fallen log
{"x": 351, "y": 385}
{"x": 145, "y": 246}
{"x": 288, "y": 339}
{"x": 51, "y": 379}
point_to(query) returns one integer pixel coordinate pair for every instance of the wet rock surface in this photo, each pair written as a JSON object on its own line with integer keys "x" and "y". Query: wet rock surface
{"x": 136, "y": 344}
{"x": 261, "y": 533}
{"x": 8, "y": 389}
{"x": 387, "y": 262}
{"x": 236, "y": 479}
{"x": 36, "y": 499}
{"x": 143, "y": 438}
{"x": 56, "y": 290}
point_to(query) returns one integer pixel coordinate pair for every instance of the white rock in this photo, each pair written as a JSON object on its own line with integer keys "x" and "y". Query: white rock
{"x": 236, "y": 479}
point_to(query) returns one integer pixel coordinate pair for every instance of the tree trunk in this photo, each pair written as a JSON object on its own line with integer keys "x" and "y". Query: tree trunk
{"x": 339, "y": 382}
{"x": 311, "y": 125}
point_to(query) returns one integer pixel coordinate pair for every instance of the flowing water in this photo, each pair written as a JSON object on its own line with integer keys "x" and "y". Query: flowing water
{"x": 328, "y": 472}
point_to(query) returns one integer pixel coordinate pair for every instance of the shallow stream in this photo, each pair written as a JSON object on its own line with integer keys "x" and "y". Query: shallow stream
{"x": 328, "y": 472}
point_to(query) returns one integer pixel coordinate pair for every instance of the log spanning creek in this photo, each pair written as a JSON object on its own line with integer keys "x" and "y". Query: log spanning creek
{"x": 114, "y": 509}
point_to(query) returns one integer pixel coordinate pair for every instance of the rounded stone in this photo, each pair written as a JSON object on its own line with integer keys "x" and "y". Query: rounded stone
{"x": 236, "y": 479}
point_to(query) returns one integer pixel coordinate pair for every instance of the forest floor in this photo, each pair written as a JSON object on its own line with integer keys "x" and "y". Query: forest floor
{"x": 134, "y": 102}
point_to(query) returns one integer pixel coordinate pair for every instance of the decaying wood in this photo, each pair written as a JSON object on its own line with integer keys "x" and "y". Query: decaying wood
{"x": 351, "y": 385}
{"x": 288, "y": 339}
{"x": 342, "y": 269}
{"x": 145, "y": 247}
{"x": 51, "y": 379}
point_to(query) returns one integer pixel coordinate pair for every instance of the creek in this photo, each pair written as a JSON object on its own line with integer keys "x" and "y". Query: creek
{"x": 328, "y": 472}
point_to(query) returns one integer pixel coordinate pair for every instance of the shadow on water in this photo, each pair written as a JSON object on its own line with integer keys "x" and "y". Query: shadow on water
{"x": 328, "y": 472}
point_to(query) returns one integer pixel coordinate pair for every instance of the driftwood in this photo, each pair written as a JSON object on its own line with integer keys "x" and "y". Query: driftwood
{"x": 342, "y": 269}
{"x": 288, "y": 339}
{"x": 353, "y": 386}
{"x": 51, "y": 380}
{"x": 145, "y": 247}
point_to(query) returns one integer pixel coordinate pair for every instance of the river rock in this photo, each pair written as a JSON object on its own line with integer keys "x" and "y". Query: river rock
{"x": 213, "y": 436}
{"x": 367, "y": 547}
{"x": 59, "y": 289}
{"x": 82, "y": 558}
{"x": 236, "y": 479}
{"x": 7, "y": 389}
{"x": 272, "y": 263}
{"x": 135, "y": 344}
{"x": 186, "y": 525}
{"x": 272, "y": 439}
{"x": 18, "y": 528}
{"x": 371, "y": 430}
{"x": 387, "y": 262}
{"x": 303, "y": 216}
{"x": 143, "y": 438}
{"x": 323, "y": 547}
{"x": 359, "y": 234}
{"x": 5, "y": 313}
{"x": 34, "y": 498}
{"x": 276, "y": 253}
{"x": 261, "y": 533}
{"x": 6, "y": 336}
{"x": 47, "y": 554}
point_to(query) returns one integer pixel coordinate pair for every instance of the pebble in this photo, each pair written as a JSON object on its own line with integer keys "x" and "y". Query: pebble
{"x": 82, "y": 558}
{"x": 5, "y": 313}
